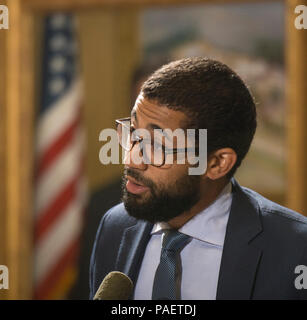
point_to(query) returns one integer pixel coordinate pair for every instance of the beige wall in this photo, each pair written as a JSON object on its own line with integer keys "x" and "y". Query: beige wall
{"x": 109, "y": 54}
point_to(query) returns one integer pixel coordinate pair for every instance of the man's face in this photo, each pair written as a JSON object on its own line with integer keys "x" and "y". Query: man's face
{"x": 152, "y": 193}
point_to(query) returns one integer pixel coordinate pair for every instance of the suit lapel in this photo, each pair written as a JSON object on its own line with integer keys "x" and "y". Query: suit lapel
{"x": 132, "y": 249}
{"x": 240, "y": 258}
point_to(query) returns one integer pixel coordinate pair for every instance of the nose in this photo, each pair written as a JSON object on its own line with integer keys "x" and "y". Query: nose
{"x": 134, "y": 158}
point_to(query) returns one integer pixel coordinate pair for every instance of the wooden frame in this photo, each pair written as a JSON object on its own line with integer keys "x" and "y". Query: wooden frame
{"x": 296, "y": 67}
{"x": 17, "y": 83}
{"x": 17, "y": 101}
{"x": 80, "y": 4}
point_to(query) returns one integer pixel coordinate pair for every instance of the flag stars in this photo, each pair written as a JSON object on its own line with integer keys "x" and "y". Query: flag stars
{"x": 61, "y": 53}
{"x": 57, "y": 64}
{"x": 58, "y": 21}
{"x": 58, "y": 42}
{"x": 56, "y": 86}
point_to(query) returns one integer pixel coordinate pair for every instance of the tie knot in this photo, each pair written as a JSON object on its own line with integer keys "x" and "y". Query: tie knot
{"x": 174, "y": 240}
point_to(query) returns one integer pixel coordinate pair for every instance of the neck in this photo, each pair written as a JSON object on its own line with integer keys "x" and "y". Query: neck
{"x": 209, "y": 193}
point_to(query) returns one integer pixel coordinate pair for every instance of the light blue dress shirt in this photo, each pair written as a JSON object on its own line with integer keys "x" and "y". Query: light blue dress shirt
{"x": 201, "y": 258}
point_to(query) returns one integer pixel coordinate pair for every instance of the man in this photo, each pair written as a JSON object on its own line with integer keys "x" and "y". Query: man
{"x": 182, "y": 236}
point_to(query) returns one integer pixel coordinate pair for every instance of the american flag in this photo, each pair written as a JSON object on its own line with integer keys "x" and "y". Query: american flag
{"x": 60, "y": 196}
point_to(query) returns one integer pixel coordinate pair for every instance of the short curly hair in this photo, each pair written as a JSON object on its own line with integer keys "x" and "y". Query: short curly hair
{"x": 212, "y": 96}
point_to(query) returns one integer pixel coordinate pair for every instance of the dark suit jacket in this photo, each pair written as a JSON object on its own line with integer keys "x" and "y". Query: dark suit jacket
{"x": 264, "y": 243}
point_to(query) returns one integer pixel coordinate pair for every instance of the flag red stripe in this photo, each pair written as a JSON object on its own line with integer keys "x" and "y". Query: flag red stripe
{"x": 68, "y": 257}
{"x": 54, "y": 210}
{"x": 54, "y": 150}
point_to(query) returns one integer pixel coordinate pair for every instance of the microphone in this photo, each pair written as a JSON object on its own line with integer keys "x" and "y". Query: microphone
{"x": 115, "y": 286}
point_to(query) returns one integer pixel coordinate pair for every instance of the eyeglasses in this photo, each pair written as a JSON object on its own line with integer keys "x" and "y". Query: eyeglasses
{"x": 153, "y": 152}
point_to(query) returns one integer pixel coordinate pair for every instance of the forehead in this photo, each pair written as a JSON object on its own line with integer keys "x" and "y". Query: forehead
{"x": 147, "y": 112}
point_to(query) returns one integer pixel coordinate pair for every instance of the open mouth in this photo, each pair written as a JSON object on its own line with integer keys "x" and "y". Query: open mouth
{"x": 134, "y": 187}
{"x": 137, "y": 184}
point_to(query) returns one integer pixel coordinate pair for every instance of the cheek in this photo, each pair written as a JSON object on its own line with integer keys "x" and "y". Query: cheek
{"x": 169, "y": 176}
{"x": 177, "y": 171}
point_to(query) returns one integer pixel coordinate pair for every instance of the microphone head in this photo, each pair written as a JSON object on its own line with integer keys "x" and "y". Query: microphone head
{"x": 115, "y": 286}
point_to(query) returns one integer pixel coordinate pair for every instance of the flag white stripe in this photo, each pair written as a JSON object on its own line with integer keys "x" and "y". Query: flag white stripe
{"x": 58, "y": 238}
{"x": 58, "y": 117}
{"x": 60, "y": 173}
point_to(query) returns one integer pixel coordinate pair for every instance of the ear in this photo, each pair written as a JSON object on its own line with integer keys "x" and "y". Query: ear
{"x": 220, "y": 162}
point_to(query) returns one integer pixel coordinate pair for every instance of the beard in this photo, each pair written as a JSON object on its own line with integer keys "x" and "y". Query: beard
{"x": 161, "y": 203}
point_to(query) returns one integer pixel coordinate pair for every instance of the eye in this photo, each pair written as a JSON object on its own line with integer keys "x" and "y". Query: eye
{"x": 133, "y": 135}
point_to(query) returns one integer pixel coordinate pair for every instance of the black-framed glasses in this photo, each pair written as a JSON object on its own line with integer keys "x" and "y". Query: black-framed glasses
{"x": 153, "y": 152}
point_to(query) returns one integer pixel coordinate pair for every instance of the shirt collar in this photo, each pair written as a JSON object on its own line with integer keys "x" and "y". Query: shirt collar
{"x": 209, "y": 225}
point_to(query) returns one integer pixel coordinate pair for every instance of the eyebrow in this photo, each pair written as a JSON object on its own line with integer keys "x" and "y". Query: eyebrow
{"x": 150, "y": 126}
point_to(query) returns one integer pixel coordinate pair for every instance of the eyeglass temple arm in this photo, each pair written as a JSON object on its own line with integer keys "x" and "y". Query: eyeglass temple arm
{"x": 168, "y": 151}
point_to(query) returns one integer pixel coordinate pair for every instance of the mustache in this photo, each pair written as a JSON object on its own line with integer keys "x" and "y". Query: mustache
{"x": 138, "y": 177}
